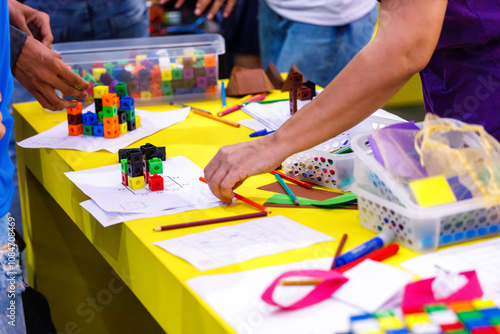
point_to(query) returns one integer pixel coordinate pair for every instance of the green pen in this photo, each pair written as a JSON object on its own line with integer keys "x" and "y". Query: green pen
{"x": 265, "y": 101}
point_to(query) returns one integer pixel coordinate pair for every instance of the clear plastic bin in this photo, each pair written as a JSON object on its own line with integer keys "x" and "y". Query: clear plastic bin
{"x": 384, "y": 203}
{"x": 318, "y": 166}
{"x": 155, "y": 69}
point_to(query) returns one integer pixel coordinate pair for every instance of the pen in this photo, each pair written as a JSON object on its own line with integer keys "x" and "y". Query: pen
{"x": 246, "y": 200}
{"x": 287, "y": 189}
{"x": 211, "y": 221}
{"x": 378, "y": 255}
{"x": 261, "y": 133}
{"x": 257, "y": 97}
{"x": 382, "y": 239}
{"x": 292, "y": 179}
{"x": 223, "y": 94}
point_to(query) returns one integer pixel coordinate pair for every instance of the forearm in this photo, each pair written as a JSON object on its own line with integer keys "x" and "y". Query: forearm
{"x": 366, "y": 83}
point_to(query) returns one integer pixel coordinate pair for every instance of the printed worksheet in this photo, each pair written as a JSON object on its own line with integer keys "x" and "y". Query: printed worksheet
{"x": 483, "y": 257}
{"x": 237, "y": 243}
{"x": 182, "y": 188}
{"x": 111, "y": 218}
{"x": 58, "y": 138}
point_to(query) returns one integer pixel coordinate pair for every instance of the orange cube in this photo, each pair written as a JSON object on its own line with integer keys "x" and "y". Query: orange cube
{"x": 109, "y": 100}
{"x": 210, "y": 60}
{"x": 75, "y": 130}
{"x": 75, "y": 111}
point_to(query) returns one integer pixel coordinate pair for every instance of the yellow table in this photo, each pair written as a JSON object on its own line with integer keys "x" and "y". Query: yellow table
{"x": 114, "y": 280}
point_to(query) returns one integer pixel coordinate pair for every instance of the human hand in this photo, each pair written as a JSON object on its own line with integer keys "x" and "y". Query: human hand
{"x": 33, "y": 22}
{"x": 234, "y": 163}
{"x": 201, "y": 5}
{"x": 41, "y": 71}
{"x": 2, "y": 127}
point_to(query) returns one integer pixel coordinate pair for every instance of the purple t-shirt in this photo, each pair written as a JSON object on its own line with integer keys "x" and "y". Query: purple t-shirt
{"x": 462, "y": 79}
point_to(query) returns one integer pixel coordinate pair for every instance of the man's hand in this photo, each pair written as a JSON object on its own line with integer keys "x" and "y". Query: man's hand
{"x": 41, "y": 71}
{"x": 33, "y": 22}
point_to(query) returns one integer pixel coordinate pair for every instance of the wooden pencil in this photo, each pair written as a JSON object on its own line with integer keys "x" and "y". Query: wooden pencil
{"x": 292, "y": 179}
{"x": 287, "y": 189}
{"x": 210, "y": 221}
{"x": 215, "y": 118}
{"x": 339, "y": 250}
{"x": 246, "y": 200}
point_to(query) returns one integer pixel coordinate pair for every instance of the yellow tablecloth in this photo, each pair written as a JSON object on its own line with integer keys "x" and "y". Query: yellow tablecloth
{"x": 80, "y": 265}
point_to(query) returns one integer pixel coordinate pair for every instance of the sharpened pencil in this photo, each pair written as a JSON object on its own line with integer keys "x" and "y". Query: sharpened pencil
{"x": 246, "y": 200}
{"x": 238, "y": 106}
{"x": 292, "y": 179}
{"x": 210, "y": 221}
{"x": 287, "y": 189}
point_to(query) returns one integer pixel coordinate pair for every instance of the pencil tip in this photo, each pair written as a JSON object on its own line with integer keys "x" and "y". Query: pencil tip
{"x": 157, "y": 229}
{"x": 297, "y": 202}
{"x": 268, "y": 210}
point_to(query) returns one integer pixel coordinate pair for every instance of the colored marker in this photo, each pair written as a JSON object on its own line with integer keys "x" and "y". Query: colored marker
{"x": 261, "y": 133}
{"x": 384, "y": 238}
{"x": 223, "y": 94}
{"x": 287, "y": 189}
{"x": 238, "y": 106}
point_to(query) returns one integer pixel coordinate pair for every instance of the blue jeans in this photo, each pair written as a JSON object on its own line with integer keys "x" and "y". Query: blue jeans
{"x": 11, "y": 283}
{"x": 320, "y": 52}
{"x": 78, "y": 20}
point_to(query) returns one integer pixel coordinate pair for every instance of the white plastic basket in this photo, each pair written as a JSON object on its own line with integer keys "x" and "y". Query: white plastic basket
{"x": 384, "y": 203}
{"x": 318, "y": 166}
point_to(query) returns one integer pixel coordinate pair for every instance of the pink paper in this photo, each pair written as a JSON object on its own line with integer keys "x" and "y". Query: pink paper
{"x": 419, "y": 293}
{"x": 332, "y": 280}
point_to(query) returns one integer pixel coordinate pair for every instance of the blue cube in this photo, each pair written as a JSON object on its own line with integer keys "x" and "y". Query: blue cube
{"x": 99, "y": 130}
{"x": 89, "y": 118}
{"x": 127, "y": 103}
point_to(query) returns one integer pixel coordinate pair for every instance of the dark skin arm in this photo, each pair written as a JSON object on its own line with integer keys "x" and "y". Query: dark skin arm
{"x": 41, "y": 71}
{"x": 33, "y": 22}
{"x": 407, "y": 37}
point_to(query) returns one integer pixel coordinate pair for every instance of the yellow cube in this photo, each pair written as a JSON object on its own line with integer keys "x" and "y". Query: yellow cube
{"x": 99, "y": 91}
{"x": 123, "y": 128}
{"x": 135, "y": 182}
{"x": 140, "y": 58}
{"x": 417, "y": 318}
{"x": 146, "y": 95}
{"x": 97, "y": 72}
{"x": 390, "y": 322}
{"x": 480, "y": 304}
{"x": 137, "y": 121}
{"x": 166, "y": 75}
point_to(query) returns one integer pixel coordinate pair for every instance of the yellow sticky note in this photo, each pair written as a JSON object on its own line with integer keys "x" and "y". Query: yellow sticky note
{"x": 432, "y": 191}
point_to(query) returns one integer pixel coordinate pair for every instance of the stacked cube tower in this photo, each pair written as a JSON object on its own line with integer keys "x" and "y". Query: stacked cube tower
{"x": 142, "y": 167}
{"x": 114, "y": 116}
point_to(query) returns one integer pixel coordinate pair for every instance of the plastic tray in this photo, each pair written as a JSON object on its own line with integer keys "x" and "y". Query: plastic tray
{"x": 159, "y": 69}
{"x": 383, "y": 203}
{"x": 318, "y": 166}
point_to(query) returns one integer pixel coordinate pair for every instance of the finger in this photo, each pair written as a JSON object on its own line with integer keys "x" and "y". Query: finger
{"x": 214, "y": 9}
{"x": 55, "y": 101}
{"x": 229, "y": 8}
{"x": 41, "y": 22}
{"x": 72, "y": 79}
{"x": 200, "y": 7}
{"x": 216, "y": 185}
{"x": 178, "y": 3}
{"x": 69, "y": 90}
{"x": 23, "y": 26}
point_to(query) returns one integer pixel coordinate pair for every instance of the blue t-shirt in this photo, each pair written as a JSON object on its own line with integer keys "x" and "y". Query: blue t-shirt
{"x": 6, "y": 88}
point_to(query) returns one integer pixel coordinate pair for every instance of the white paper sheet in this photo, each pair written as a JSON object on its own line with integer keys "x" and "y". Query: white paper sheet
{"x": 181, "y": 181}
{"x": 484, "y": 257}
{"x": 236, "y": 298}
{"x": 58, "y": 138}
{"x": 111, "y": 218}
{"x": 237, "y": 243}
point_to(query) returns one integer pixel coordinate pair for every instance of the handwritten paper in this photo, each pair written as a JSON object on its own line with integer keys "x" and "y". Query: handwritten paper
{"x": 181, "y": 182}
{"x": 58, "y": 138}
{"x": 237, "y": 243}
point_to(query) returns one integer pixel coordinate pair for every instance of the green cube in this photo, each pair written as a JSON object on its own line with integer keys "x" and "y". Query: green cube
{"x": 123, "y": 162}
{"x": 470, "y": 315}
{"x": 88, "y": 130}
{"x": 109, "y": 68}
{"x": 166, "y": 87}
{"x": 130, "y": 115}
{"x": 110, "y": 111}
{"x": 177, "y": 73}
{"x": 199, "y": 52}
{"x": 121, "y": 89}
{"x": 155, "y": 166}
{"x": 99, "y": 117}
{"x": 90, "y": 77}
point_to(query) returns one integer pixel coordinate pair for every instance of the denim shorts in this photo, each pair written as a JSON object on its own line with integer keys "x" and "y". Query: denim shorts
{"x": 11, "y": 282}
{"x": 79, "y": 20}
{"x": 320, "y": 52}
